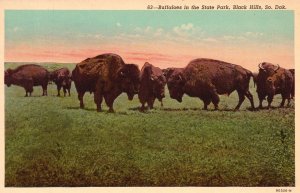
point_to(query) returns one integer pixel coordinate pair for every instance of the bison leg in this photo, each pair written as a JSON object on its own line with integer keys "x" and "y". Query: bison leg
{"x": 58, "y": 90}
{"x": 151, "y": 102}
{"x": 69, "y": 92}
{"x": 143, "y": 107}
{"x": 80, "y": 98}
{"x": 44, "y": 87}
{"x": 250, "y": 97}
{"x": 98, "y": 95}
{"x": 215, "y": 100}
{"x": 261, "y": 97}
{"x": 284, "y": 97}
{"x": 109, "y": 100}
{"x": 270, "y": 99}
{"x": 65, "y": 91}
{"x": 241, "y": 100}
{"x": 206, "y": 102}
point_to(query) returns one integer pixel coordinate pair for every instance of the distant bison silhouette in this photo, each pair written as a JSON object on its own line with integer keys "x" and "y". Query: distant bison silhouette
{"x": 207, "y": 78}
{"x": 107, "y": 76}
{"x": 27, "y": 76}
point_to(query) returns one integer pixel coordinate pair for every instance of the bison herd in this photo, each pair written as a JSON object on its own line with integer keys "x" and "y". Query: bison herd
{"x": 107, "y": 76}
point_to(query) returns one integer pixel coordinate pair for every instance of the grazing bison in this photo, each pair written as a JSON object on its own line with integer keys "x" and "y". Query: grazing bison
{"x": 272, "y": 80}
{"x": 206, "y": 78}
{"x": 106, "y": 76}
{"x": 293, "y": 90}
{"x": 27, "y": 76}
{"x": 152, "y": 85}
{"x": 62, "y": 78}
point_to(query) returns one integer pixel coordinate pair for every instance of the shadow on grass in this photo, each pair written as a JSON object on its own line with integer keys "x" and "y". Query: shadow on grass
{"x": 273, "y": 108}
{"x": 78, "y": 108}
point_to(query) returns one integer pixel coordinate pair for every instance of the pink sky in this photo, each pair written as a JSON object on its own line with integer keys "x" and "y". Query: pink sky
{"x": 159, "y": 54}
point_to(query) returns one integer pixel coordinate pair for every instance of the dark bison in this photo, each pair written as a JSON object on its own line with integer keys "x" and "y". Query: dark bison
{"x": 206, "y": 78}
{"x": 62, "y": 78}
{"x": 293, "y": 90}
{"x": 27, "y": 76}
{"x": 106, "y": 76}
{"x": 272, "y": 80}
{"x": 152, "y": 85}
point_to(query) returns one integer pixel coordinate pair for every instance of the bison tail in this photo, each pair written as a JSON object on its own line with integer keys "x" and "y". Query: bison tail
{"x": 250, "y": 74}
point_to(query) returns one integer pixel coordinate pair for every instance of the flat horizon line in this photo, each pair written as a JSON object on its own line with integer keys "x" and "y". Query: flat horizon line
{"x": 44, "y": 62}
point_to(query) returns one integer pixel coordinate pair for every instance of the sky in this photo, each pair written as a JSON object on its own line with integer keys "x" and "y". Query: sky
{"x": 163, "y": 38}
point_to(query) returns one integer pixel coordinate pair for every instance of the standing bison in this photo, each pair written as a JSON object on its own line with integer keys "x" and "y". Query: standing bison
{"x": 206, "y": 78}
{"x": 62, "y": 78}
{"x": 152, "y": 85}
{"x": 27, "y": 76}
{"x": 272, "y": 80}
{"x": 106, "y": 76}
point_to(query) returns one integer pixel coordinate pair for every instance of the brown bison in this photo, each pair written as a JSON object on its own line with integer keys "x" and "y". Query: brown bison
{"x": 207, "y": 78}
{"x": 293, "y": 90}
{"x": 272, "y": 80}
{"x": 27, "y": 76}
{"x": 106, "y": 76}
{"x": 62, "y": 78}
{"x": 152, "y": 85}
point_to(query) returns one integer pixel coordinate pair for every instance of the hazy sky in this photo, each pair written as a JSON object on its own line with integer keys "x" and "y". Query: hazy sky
{"x": 163, "y": 38}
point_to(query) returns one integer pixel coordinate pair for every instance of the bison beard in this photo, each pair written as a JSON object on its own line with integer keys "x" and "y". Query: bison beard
{"x": 206, "y": 78}
{"x": 27, "y": 76}
{"x": 152, "y": 85}
{"x": 107, "y": 76}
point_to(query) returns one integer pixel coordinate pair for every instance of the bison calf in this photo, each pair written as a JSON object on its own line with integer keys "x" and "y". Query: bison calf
{"x": 27, "y": 76}
{"x": 152, "y": 85}
{"x": 62, "y": 79}
{"x": 207, "y": 78}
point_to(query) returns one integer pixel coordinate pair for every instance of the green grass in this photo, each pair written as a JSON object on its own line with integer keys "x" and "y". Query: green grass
{"x": 49, "y": 141}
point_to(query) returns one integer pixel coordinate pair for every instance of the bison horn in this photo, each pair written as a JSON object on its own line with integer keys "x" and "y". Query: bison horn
{"x": 260, "y": 67}
{"x": 122, "y": 73}
{"x": 152, "y": 78}
{"x": 277, "y": 67}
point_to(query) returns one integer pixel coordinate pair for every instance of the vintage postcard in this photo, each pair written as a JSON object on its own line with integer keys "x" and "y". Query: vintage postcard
{"x": 147, "y": 96}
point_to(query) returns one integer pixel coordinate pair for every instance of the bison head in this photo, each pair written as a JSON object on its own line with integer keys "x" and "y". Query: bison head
{"x": 270, "y": 85}
{"x": 7, "y": 77}
{"x": 175, "y": 85}
{"x": 129, "y": 78}
{"x": 268, "y": 68}
{"x": 159, "y": 83}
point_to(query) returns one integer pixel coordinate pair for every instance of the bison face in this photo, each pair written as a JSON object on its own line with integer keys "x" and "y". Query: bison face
{"x": 270, "y": 86}
{"x": 7, "y": 77}
{"x": 129, "y": 77}
{"x": 175, "y": 85}
{"x": 159, "y": 86}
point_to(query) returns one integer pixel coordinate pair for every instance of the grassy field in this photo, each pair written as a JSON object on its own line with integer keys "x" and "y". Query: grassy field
{"x": 50, "y": 141}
